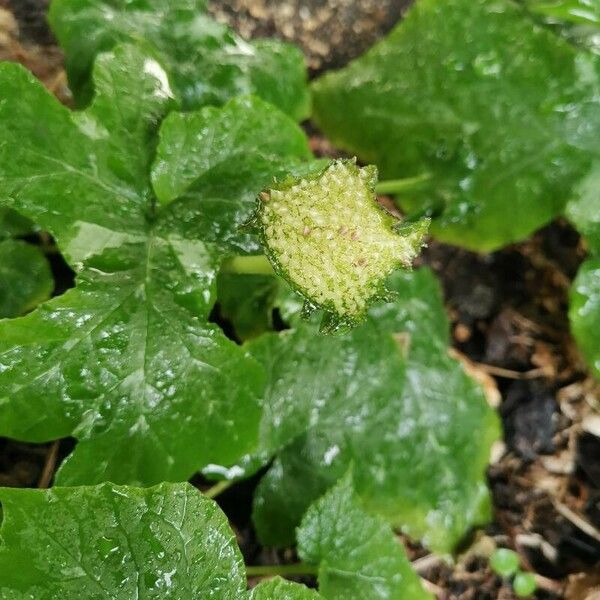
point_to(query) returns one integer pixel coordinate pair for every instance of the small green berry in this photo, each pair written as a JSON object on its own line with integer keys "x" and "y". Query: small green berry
{"x": 524, "y": 584}
{"x": 504, "y": 562}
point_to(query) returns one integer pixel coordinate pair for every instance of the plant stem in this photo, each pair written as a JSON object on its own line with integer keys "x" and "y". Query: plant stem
{"x": 399, "y": 186}
{"x": 248, "y": 265}
{"x": 218, "y": 488}
{"x": 282, "y": 570}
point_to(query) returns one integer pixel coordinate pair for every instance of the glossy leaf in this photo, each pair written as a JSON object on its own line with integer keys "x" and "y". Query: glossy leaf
{"x": 25, "y": 278}
{"x": 168, "y": 542}
{"x": 500, "y": 112}
{"x": 280, "y": 589}
{"x": 126, "y": 361}
{"x": 206, "y": 61}
{"x": 49, "y": 152}
{"x": 584, "y": 312}
{"x": 386, "y": 398}
{"x": 251, "y": 144}
{"x": 577, "y": 20}
{"x": 573, "y": 11}
{"x": 358, "y": 555}
{"x": 330, "y": 240}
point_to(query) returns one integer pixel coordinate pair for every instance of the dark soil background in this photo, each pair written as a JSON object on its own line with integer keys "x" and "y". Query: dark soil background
{"x": 509, "y": 320}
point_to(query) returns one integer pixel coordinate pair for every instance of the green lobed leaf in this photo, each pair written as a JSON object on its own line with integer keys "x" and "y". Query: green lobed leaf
{"x": 292, "y": 357}
{"x": 25, "y": 278}
{"x": 387, "y": 399}
{"x": 206, "y": 61}
{"x": 124, "y": 135}
{"x": 170, "y": 542}
{"x": 127, "y": 361}
{"x": 505, "y": 117}
{"x": 358, "y": 555}
{"x": 48, "y": 151}
{"x": 251, "y": 144}
{"x": 167, "y": 542}
{"x": 280, "y": 589}
{"x": 305, "y": 222}
{"x": 184, "y": 160}
{"x": 584, "y": 312}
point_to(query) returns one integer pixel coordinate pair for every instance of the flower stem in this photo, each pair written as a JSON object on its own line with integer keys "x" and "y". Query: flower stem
{"x": 218, "y": 488}
{"x": 248, "y": 265}
{"x": 399, "y": 186}
{"x": 282, "y": 570}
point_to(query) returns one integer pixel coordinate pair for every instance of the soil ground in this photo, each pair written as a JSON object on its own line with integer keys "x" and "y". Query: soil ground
{"x": 510, "y": 326}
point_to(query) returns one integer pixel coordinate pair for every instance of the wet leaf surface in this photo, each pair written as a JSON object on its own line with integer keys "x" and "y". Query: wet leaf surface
{"x": 358, "y": 555}
{"x": 506, "y": 122}
{"x": 387, "y": 399}
{"x": 109, "y": 541}
{"x": 127, "y": 361}
{"x": 206, "y": 62}
{"x": 279, "y": 589}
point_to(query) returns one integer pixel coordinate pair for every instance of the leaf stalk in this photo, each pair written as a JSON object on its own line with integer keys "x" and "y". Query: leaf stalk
{"x": 248, "y": 265}
{"x": 400, "y": 186}
{"x": 218, "y": 488}
{"x": 281, "y": 570}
